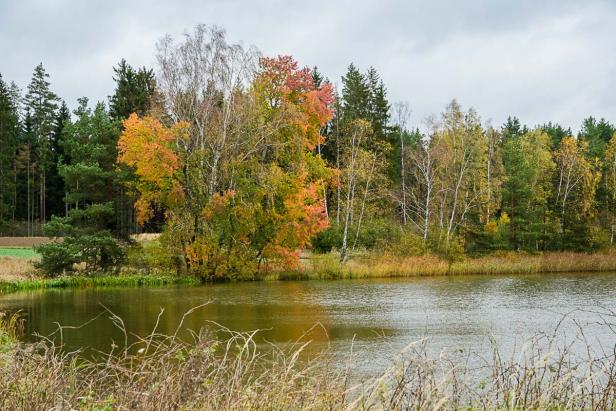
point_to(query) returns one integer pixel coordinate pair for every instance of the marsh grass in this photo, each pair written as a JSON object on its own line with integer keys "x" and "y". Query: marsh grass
{"x": 128, "y": 280}
{"x": 227, "y": 370}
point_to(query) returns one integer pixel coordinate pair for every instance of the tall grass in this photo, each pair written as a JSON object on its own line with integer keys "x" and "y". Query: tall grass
{"x": 227, "y": 370}
{"x": 327, "y": 266}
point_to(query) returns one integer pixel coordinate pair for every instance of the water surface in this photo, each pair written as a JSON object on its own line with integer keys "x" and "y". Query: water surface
{"x": 378, "y": 316}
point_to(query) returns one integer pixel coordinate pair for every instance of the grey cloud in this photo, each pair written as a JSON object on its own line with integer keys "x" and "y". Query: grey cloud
{"x": 540, "y": 60}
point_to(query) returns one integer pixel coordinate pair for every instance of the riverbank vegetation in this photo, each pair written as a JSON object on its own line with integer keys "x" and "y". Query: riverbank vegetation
{"x": 244, "y": 162}
{"x": 225, "y": 370}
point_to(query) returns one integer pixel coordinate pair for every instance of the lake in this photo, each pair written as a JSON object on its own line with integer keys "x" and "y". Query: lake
{"x": 378, "y": 317}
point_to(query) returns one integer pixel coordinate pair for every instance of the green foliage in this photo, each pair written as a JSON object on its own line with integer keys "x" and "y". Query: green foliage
{"x": 151, "y": 256}
{"x": 451, "y": 250}
{"x": 405, "y": 244}
{"x": 9, "y": 141}
{"x": 327, "y": 240}
{"x": 96, "y": 252}
{"x": 135, "y": 89}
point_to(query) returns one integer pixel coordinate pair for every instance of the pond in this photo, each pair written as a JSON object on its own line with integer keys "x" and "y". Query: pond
{"x": 376, "y": 317}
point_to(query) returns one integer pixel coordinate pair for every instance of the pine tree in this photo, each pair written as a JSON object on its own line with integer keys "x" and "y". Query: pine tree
{"x": 42, "y": 103}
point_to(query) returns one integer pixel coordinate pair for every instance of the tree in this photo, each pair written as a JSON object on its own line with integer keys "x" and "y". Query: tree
{"x": 9, "y": 142}
{"x": 238, "y": 174}
{"x": 596, "y": 134}
{"x": 378, "y": 105}
{"x": 610, "y": 184}
{"x": 556, "y": 132}
{"x": 527, "y": 189}
{"x": 461, "y": 151}
{"x": 512, "y": 129}
{"x": 42, "y": 105}
{"x": 577, "y": 181}
{"x": 355, "y": 95}
{"x": 90, "y": 144}
{"x": 55, "y": 183}
{"x": 134, "y": 93}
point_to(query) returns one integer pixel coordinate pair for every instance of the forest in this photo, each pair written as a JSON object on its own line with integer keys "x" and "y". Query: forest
{"x": 243, "y": 161}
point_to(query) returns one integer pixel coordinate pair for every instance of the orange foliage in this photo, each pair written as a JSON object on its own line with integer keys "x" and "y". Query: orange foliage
{"x": 295, "y": 89}
{"x": 147, "y": 146}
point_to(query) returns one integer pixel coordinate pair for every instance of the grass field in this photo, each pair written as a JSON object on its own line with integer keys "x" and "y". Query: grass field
{"x": 18, "y": 252}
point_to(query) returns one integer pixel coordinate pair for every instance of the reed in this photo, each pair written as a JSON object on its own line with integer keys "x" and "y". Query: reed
{"x": 327, "y": 266}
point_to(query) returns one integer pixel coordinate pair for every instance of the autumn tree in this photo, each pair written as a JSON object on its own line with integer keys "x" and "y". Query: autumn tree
{"x": 236, "y": 170}
{"x": 577, "y": 181}
{"x": 461, "y": 150}
{"x": 610, "y": 184}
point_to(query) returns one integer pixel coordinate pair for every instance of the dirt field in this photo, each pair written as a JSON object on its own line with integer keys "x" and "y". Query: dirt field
{"x": 23, "y": 241}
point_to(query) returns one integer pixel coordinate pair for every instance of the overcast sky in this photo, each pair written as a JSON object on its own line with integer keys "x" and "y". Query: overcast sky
{"x": 539, "y": 60}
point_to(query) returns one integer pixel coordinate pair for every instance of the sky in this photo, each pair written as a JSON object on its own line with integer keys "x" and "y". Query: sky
{"x": 538, "y": 60}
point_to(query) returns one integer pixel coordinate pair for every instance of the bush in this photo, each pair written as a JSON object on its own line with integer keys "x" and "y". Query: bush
{"x": 327, "y": 240}
{"x": 98, "y": 252}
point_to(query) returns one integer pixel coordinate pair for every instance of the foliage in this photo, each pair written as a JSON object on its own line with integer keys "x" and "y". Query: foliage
{"x": 243, "y": 161}
{"x": 254, "y": 210}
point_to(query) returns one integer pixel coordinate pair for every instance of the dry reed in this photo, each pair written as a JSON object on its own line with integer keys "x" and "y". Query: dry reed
{"x": 226, "y": 370}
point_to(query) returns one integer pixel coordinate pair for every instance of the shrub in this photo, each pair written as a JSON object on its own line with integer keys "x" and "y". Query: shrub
{"x": 98, "y": 252}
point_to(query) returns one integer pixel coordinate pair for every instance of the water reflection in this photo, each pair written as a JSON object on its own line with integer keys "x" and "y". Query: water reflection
{"x": 381, "y": 316}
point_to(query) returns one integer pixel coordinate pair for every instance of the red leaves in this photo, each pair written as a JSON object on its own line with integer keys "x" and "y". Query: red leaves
{"x": 296, "y": 90}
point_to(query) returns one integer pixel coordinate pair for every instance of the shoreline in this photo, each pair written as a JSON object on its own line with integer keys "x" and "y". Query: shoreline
{"x": 327, "y": 267}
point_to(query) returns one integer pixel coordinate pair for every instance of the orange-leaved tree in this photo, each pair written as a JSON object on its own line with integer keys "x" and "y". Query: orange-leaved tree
{"x": 268, "y": 198}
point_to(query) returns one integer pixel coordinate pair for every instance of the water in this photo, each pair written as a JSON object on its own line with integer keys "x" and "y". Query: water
{"x": 378, "y": 317}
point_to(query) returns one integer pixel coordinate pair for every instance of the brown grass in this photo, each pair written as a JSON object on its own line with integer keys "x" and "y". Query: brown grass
{"x": 14, "y": 268}
{"x": 226, "y": 370}
{"x": 384, "y": 266}
{"x": 24, "y": 241}
{"x": 143, "y": 237}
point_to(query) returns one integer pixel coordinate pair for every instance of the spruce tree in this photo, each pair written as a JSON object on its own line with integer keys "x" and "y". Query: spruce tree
{"x": 55, "y": 182}
{"x": 42, "y": 103}
{"x": 134, "y": 93}
{"x": 9, "y": 141}
{"x": 378, "y": 105}
{"x": 355, "y": 95}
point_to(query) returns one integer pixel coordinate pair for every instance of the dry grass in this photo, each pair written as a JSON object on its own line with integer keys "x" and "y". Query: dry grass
{"x": 23, "y": 241}
{"x": 143, "y": 237}
{"x": 15, "y": 269}
{"x": 226, "y": 370}
{"x": 327, "y": 266}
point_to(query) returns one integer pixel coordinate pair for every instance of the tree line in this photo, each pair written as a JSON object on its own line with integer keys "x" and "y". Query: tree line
{"x": 242, "y": 160}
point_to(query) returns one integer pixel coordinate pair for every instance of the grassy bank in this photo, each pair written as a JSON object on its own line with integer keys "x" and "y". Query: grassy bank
{"x": 18, "y": 273}
{"x": 226, "y": 370}
{"x": 133, "y": 280}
